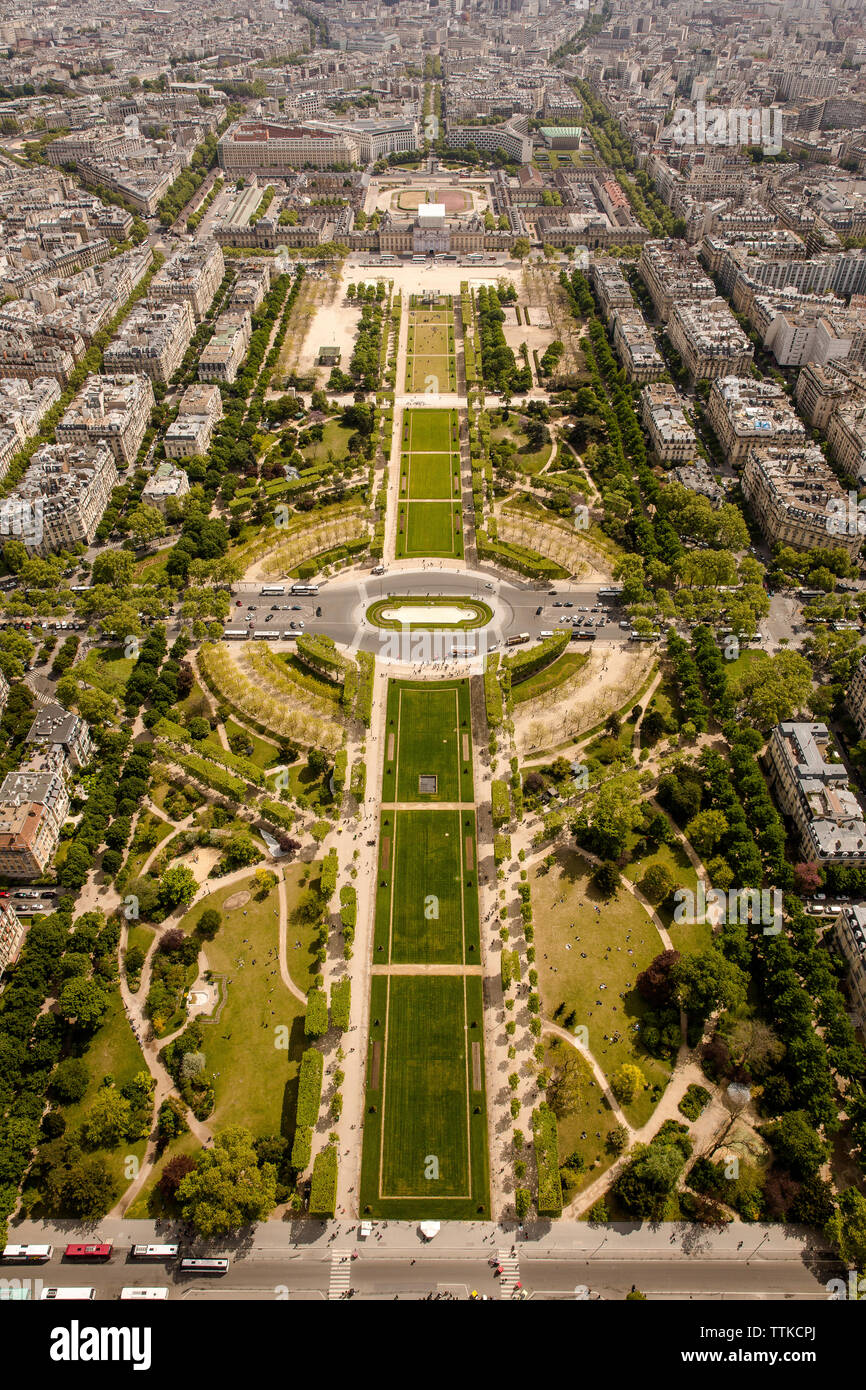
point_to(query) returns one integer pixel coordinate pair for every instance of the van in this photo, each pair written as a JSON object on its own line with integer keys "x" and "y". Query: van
{"x": 545, "y": 634}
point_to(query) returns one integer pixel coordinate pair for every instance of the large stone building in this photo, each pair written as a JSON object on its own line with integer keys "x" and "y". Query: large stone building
{"x": 193, "y": 273}
{"x": 846, "y": 435}
{"x": 189, "y": 434}
{"x": 709, "y": 340}
{"x": 34, "y": 803}
{"x": 849, "y": 934}
{"x": 671, "y": 436}
{"x": 810, "y": 781}
{"x": 749, "y": 413}
{"x": 153, "y": 340}
{"x": 796, "y": 499}
{"x": 226, "y": 349}
{"x": 12, "y": 933}
{"x": 166, "y": 483}
{"x": 60, "y": 500}
{"x": 115, "y": 409}
{"x": 672, "y": 275}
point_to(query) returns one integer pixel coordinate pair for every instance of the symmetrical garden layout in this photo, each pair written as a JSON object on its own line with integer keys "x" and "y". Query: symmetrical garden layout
{"x": 429, "y": 512}
{"x": 430, "y": 361}
{"x": 425, "y": 1123}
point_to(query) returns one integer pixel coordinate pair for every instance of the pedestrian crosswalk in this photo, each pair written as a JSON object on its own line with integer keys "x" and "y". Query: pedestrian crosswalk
{"x": 509, "y": 1279}
{"x": 341, "y": 1264}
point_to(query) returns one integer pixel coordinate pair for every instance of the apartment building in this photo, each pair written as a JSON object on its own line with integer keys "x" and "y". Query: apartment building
{"x": 224, "y": 353}
{"x": 796, "y": 498}
{"x": 709, "y": 340}
{"x": 115, "y": 409}
{"x": 12, "y": 933}
{"x": 610, "y": 286}
{"x": 662, "y": 416}
{"x": 55, "y": 728}
{"x": 152, "y": 340}
{"x": 672, "y": 276}
{"x": 822, "y": 387}
{"x": 747, "y": 413}
{"x": 513, "y": 139}
{"x": 635, "y": 346}
{"x": 60, "y": 500}
{"x": 193, "y": 273}
{"x": 846, "y": 436}
{"x": 813, "y": 333}
{"x": 849, "y": 935}
{"x": 165, "y": 483}
{"x": 190, "y": 432}
{"x": 855, "y": 697}
{"x": 23, "y": 404}
{"x": 810, "y": 781}
{"x": 34, "y": 803}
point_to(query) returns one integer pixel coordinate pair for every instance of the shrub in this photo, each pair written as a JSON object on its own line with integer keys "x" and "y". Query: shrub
{"x": 323, "y": 1188}
{"x": 547, "y": 1161}
{"x": 341, "y": 1003}
{"x": 316, "y": 1021}
{"x": 309, "y": 1088}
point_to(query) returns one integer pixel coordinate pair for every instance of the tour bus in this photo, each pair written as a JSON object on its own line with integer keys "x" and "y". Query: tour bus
{"x": 27, "y": 1254}
{"x": 272, "y": 590}
{"x": 236, "y": 634}
{"x": 153, "y": 1252}
{"x": 578, "y": 635}
{"x": 156, "y": 1291}
{"x": 88, "y": 1252}
{"x": 610, "y": 593}
{"x": 289, "y": 636}
{"x": 202, "y": 1266}
{"x": 70, "y": 1294}
{"x": 266, "y": 635}
{"x": 545, "y": 634}
{"x": 517, "y": 638}
{"x": 304, "y": 589}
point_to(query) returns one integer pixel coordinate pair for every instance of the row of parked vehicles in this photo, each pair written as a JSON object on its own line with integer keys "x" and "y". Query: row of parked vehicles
{"x": 100, "y": 1253}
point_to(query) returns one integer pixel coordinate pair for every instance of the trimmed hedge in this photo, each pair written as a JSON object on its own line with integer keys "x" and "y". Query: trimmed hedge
{"x": 348, "y": 905}
{"x": 316, "y": 1021}
{"x": 323, "y": 1188}
{"x": 279, "y": 814}
{"x": 341, "y": 1003}
{"x": 500, "y": 802}
{"x": 302, "y": 1149}
{"x": 546, "y": 1145}
{"x": 212, "y": 776}
{"x": 526, "y": 663}
{"x": 329, "y": 875}
{"x": 309, "y": 1088}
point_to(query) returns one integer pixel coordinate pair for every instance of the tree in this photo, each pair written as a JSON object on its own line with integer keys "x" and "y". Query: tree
{"x": 565, "y": 1088}
{"x": 265, "y": 880}
{"x": 89, "y": 1188}
{"x": 240, "y": 849}
{"x": 705, "y": 980}
{"x": 173, "y": 1174}
{"x": 647, "y": 1181}
{"x": 209, "y": 923}
{"x": 656, "y": 883}
{"x": 69, "y": 1081}
{"x": 796, "y": 1144}
{"x": 521, "y": 248}
{"x": 108, "y": 1119}
{"x": 655, "y": 984}
{"x": 846, "y": 1228}
{"x": 807, "y": 877}
{"x": 606, "y": 878}
{"x": 83, "y": 1002}
{"x": 626, "y": 1081}
{"x": 170, "y": 1120}
{"x": 177, "y": 888}
{"x": 705, "y": 830}
{"x": 228, "y": 1188}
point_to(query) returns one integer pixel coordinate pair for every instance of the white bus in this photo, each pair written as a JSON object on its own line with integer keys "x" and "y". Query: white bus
{"x": 266, "y": 635}
{"x": 70, "y": 1295}
{"x": 272, "y": 590}
{"x": 27, "y": 1254}
{"x": 156, "y": 1291}
{"x": 289, "y": 636}
{"x": 304, "y": 589}
{"x": 153, "y": 1252}
{"x": 202, "y": 1266}
{"x": 517, "y": 638}
{"x": 235, "y": 634}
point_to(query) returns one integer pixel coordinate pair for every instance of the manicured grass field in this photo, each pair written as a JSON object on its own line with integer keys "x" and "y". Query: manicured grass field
{"x": 558, "y": 672}
{"x": 425, "y": 1143}
{"x": 430, "y": 724}
{"x": 431, "y": 338}
{"x": 430, "y": 476}
{"x": 430, "y": 431}
{"x": 433, "y": 374}
{"x": 427, "y": 906}
{"x": 429, "y": 529}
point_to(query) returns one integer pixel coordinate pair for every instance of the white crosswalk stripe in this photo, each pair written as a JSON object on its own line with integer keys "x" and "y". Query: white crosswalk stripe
{"x": 341, "y": 1264}
{"x": 510, "y": 1276}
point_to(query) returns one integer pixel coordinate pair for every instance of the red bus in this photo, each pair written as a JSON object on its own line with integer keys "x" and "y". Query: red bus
{"x": 88, "y": 1252}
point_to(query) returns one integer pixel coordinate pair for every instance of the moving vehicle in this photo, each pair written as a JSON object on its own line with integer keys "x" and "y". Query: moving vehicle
{"x": 272, "y": 590}
{"x": 26, "y": 1254}
{"x": 578, "y": 635}
{"x": 88, "y": 1252}
{"x": 538, "y": 612}
{"x": 545, "y": 634}
{"x": 204, "y": 1266}
{"x": 517, "y": 638}
{"x": 153, "y": 1252}
{"x": 153, "y": 1291}
{"x": 378, "y": 569}
{"x": 305, "y": 589}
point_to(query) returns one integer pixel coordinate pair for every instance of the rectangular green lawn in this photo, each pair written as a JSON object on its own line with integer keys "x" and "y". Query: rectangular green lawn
{"x": 430, "y": 431}
{"x": 430, "y": 338}
{"x": 431, "y": 374}
{"x": 427, "y": 904}
{"x": 431, "y": 475}
{"x": 429, "y": 723}
{"x": 431, "y": 528}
